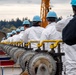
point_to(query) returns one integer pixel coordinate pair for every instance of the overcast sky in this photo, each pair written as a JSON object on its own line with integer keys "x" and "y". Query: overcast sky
{"x": 28, "y": 8}
{"x": 32, "y": 1}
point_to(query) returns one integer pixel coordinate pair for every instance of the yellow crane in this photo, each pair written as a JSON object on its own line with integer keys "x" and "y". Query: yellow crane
{"x": 45, "y": 7}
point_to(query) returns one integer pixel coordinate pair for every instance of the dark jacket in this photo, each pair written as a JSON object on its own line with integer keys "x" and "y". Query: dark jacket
{"x": 69, "y": 32}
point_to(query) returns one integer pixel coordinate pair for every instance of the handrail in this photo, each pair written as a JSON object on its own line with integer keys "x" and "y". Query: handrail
{"x": 29, "y": 43}
{"x": 56, "y": 42}
{"x": 51, "y": 46}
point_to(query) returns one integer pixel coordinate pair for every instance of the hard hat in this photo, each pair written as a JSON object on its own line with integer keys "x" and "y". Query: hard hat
{"x": 51, "y": 14}
{"x": 18, "y": 30}
{"x": 73, "y": 2}
{"x": 22, "y": 28}
{"x": 8, "y": 35}
{"x": 36, "y": 18}
{"x": 26, "y": 22}
{"x": 13, "y": 32}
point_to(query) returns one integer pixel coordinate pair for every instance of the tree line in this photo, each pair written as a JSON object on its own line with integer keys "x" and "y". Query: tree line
{"x": 12, "y": 24}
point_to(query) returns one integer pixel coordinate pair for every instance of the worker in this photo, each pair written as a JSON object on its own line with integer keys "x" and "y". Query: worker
{"x": 22, "y": 31}
{"x": 70, "y": 51}
{"x": 18, "y": 31}
{"x": 22, "y": 28}
{"x": 33, "y": 33}
{"x": 9, "y": 37}
{"x": 26, "y": 24}
{"x": 68, "y": 33}
{"x": 13, "y": 32}
{"x": 50, "y": 32}
{"x": 16, "y": 38}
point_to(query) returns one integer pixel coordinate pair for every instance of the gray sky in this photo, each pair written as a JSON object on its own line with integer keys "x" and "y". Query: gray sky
{"x": 11, "y": 9}
{"x": 31, "y": 1}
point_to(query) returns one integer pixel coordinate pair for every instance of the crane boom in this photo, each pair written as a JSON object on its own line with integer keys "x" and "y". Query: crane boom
{"x": 45, "y": 6}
